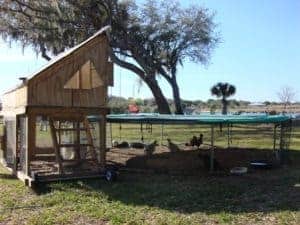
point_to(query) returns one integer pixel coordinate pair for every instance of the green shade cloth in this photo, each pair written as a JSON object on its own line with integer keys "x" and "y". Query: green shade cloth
{"x": 195, "y": 119}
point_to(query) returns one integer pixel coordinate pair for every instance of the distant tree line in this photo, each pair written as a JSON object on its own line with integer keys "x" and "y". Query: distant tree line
{"x": 120, "y": 105}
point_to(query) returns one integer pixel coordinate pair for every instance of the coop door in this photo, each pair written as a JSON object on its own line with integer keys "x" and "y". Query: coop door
{"x": 73, "y": 140}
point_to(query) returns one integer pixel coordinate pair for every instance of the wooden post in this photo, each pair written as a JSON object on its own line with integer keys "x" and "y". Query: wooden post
{"x": 77, "y": 142}
{"x": 212, "y": 149}
{"x": 15, "y": 153}
{"x": 102, "y": 129}
{"x": 56, "y": 146}
{"x": 30, "y": 133}
{"x": 89, "y": 138}
{"x": 162, "y": 134}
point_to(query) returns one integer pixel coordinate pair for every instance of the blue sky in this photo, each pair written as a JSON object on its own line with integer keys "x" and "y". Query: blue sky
{"x": 259, "y": 53}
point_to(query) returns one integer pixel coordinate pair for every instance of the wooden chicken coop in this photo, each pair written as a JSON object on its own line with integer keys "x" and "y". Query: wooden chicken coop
{"x": 47, "y": 135}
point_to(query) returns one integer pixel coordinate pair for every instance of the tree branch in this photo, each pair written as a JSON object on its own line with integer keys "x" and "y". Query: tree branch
{"x": 128, "y": 66}
{"x": 44, "y": 52}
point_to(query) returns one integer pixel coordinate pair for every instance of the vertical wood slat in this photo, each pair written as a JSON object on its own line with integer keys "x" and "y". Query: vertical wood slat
{"x": 31, "y": 134}
{"x": 77, "y": 148}
{"x": 17, "y": 148}
{"x": 102, "y": 128}
{"x": 51, "y": 82}
{"x": 56, "y": 147}
{"x": 90, "y": 138}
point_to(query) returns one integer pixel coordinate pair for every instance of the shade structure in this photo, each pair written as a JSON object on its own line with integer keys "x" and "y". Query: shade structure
{"x": 282, "y": 122}
{"x": 196, "y": 119}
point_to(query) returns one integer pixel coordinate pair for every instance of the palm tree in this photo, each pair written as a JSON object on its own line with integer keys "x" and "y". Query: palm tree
{"x": 223, "y": 90}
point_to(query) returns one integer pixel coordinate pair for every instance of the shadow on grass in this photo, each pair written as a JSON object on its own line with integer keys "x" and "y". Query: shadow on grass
{"x": 259, "y": 191}
{"x": 7, "y": 176}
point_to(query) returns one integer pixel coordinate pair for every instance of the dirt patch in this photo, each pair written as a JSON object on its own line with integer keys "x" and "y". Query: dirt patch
{"x": 188, "y": 159}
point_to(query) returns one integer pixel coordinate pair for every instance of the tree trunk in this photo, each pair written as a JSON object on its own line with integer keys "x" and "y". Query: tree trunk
{"x": 176, "y": 96}
{"x": 161, "y": 102}
{"x": 224, "y": 106}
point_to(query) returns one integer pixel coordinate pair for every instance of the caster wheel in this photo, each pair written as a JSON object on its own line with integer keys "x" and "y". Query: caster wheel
{"x": 110, "y": 175}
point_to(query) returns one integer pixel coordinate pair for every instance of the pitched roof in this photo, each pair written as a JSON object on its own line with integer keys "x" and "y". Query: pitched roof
{"x": 61, "y": 56}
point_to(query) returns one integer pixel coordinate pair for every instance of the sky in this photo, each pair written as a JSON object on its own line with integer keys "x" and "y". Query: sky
{"x": 259, "y": 53}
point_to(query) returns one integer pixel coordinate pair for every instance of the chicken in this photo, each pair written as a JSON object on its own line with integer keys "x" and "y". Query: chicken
{"x": 193, "y": 141}
{"x": 137, "y": 145}
{"x": 150, "y": 148}
{"x": 199, "y": 141}
{"x": 196, "y": 141}
{"x": 173, "y": 147}
{"x": 123, "y": 144}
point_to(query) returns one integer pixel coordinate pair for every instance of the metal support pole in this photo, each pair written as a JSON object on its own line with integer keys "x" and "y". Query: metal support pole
{"x": 111, "y": 137}
{"x": 142, "y": 133}
{"x": 162, "y": 134}
{"x": 274, "y": 143}
{"x": 281, "y": 143}
{"x": 120, "y": 134}
{"x": 212, "y": 149}
{"x": 228, "y": 136}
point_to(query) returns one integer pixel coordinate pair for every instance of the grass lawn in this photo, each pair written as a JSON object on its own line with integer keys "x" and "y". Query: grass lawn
{"x": 265, "y": 197}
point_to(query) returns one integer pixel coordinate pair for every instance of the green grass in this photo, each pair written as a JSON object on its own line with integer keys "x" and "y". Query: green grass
{"x": 266, "y": 197}
{"x": 248, "y": 136}
{"x": 136, "y": 199}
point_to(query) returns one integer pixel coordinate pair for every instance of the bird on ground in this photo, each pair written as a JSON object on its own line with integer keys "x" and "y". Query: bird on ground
{"x": 150, "y": 148}
{"x": 137, "y": 145}
{"x": 193, "y": 141}
{"x": 173, "y": 147}
{"x": 199, "y": 141}
{"x": 196, "y": 141}
{"x": 123, "y": 144}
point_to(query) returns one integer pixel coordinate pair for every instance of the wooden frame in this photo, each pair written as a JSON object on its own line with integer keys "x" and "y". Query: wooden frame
{"x": 43, "y": 94}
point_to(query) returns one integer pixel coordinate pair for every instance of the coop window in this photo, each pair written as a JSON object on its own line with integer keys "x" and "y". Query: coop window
{"x": 86, "y": 77}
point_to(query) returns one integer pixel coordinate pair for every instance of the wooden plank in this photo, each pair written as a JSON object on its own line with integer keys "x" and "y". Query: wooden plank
{"x": 48, "y": 88}
{"x": 110, "y": 74}
{"x": 102, "y": 127}
{"x": 56, "y": 148}
{"x": 73, "y": 145}
{"x": 82, "y": 175}
{"x": 66, "y": 111}
{"x": 31, "y": 142}
{"x": 14, "y": 99}
{"x": 100, "y": 40}
{"x": 90, "y": 139}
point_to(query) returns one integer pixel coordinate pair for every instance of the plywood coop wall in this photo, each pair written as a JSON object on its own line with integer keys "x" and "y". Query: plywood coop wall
{"x": 73, "y": 84}
{"x": 80, "y": 80}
